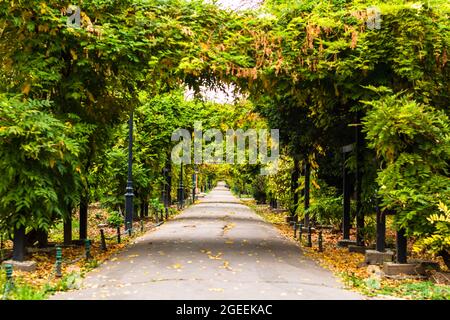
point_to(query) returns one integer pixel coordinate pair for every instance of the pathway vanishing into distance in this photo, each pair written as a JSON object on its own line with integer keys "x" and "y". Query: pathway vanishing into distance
{"x": 217, "y": 249}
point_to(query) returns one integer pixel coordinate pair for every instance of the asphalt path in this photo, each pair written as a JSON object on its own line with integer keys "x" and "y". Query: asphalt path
{"x": 216, "y": 249}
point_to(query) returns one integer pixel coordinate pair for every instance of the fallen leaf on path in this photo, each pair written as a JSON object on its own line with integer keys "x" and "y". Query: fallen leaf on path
{"x": 226, "y": 265}
{"x": 215, "y": 257}
{"x": 228, "y": 226}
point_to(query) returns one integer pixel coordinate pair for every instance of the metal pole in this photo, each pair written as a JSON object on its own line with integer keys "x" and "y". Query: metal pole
{"x": 58, "y": 263}
{"x": 103, "y": 240}
{"x": 401, "y": 246}
{"x": 295, "y": 229}
{"x": 320, "y": 240}
{"x": 381, "y": 228}
{"x": 307, "y": 187}
{"x": 309, "y": 244}
{"x": 129, "y": 195}
{"x": 294, "y": 187}
{"x": 358, "y": 182}
{"x": 19, "y": 244}
{"x": 346, "y": 204}
{"x": 68, "y": 227}
{"x": 87, "y": 248}
{"x": 165, "y": 195}
{"x": 181, "y": 189}
{"x": 129, "y": 228}
{"x": 194, "y": 178}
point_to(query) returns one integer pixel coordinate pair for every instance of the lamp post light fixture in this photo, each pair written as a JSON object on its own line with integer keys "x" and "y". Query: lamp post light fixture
{"x": 129, "y": 195}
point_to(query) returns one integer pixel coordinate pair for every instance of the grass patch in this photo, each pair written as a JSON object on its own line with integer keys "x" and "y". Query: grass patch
{"x": 22, "y": 290}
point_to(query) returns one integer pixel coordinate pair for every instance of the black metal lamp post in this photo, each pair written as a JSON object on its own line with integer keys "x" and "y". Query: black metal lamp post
{"x": 346, "y": 188}
{"x": 181, "y": 189}
{"x": 164, "y": 188}
{"x": 129, "y": 195}
{"x": 194, "y": 183}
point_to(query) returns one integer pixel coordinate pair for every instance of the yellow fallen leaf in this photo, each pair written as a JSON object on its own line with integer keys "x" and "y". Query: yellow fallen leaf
{"x": 26, "y": 88}
{"x": 226, "y": 265}
{"x": 215, "y": 257}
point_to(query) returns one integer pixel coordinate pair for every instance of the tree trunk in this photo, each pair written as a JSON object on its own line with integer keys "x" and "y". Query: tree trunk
{"x": 68, "y": 227}
{"x": 446, "y": 257}
{"x": 42, "y": 238}
{"x": 146, "y": 208}
{"x": 142, "y": 210}
{"x": 36, "y": 235}
{"x": 84, "y": 203}
{"x": 401, "y": 244}
{"x": 19, "y": 244}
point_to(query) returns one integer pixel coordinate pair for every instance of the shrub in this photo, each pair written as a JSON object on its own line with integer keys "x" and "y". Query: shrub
{"x": 413, "y": 142}
{"x": 326, "y": 206}
{"x": 115, "y": 219}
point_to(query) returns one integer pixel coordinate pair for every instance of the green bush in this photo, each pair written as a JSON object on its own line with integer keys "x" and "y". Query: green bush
{"x": 155, "y": 205}
{"x": 439, "y": 240}
{"x": 326, "y": 206}
{"x": 115, "y": 219}
{"x": 412, "y": 141}
{"x": 39, "y": 162}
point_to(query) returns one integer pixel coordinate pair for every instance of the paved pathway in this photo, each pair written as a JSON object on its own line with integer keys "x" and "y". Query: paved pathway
{"x": 217, "y": 249}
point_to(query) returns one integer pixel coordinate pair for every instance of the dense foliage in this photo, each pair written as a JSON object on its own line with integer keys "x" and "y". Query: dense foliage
{"x": 40, "y": 162}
